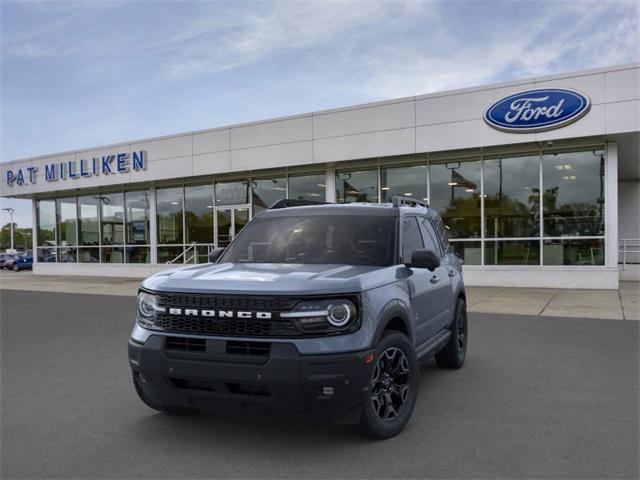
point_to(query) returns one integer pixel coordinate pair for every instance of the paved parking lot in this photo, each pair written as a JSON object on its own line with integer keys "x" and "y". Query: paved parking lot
{"x": 539, "y": 397}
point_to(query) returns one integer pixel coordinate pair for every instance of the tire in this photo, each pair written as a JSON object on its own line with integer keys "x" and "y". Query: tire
{"x": 16, "y": 268}
{"x": 388, "y": 391}
{"x": 455, "y": 351}
{"x": 149, "y": 402}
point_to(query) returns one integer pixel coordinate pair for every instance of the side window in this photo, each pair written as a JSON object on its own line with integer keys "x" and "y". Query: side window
{"x": 430, "y": 237}
{"x": 442, "y": 232}
{"x": 411, "y": 238}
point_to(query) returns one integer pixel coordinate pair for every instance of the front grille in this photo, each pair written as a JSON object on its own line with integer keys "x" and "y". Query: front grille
{"x": 186, "y": 344}
{"x": 261, "y": 349}
{"x": 230, "y": 302}
{"x": 232, "y": 327}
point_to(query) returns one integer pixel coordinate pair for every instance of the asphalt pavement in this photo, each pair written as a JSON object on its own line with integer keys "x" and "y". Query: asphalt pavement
{"x": 538, "y": 397}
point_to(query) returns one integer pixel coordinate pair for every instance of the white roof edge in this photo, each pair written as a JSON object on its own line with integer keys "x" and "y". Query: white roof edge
{"x": 444, "y": 93}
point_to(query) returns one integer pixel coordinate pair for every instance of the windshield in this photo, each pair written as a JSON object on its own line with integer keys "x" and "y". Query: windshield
{"x": 320, "y": 239}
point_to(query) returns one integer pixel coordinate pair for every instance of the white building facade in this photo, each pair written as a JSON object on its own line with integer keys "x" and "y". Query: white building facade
{"x": 537, "y": 181}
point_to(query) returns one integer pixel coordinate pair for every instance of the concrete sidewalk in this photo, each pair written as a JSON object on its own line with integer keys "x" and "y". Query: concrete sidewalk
{"x": 623, "y": 304}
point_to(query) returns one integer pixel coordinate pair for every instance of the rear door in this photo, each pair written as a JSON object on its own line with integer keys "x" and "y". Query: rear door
{"x": 442, "y": 293}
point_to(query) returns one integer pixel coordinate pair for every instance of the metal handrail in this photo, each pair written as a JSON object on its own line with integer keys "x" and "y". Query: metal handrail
{"x": 184, "y": 254}
{"x": 628, "y": 245}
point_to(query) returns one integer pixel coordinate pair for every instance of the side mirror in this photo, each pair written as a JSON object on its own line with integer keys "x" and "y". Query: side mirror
{"x": 424, "y": 259}
{"x": 214, "y": 255}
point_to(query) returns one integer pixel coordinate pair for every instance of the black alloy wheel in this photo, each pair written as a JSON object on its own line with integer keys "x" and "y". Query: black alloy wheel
{"x": 390, "y": 384}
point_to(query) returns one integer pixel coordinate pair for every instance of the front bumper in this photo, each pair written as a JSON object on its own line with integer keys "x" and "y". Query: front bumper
{"x": 281, "y": 381}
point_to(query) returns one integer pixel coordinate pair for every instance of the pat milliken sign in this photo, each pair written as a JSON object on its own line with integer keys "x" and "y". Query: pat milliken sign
{"x": 117, "y": 163}
{"x": 537, "y": 110}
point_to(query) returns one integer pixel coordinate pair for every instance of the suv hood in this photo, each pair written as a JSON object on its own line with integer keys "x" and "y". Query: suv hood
{"x": 270, "y": 278}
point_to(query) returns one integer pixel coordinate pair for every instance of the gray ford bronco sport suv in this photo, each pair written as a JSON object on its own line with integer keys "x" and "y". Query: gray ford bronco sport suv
{"x": 315, "y": 309}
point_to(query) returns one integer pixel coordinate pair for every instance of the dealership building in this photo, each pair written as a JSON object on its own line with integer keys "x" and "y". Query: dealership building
{"x": 537, "y": 181}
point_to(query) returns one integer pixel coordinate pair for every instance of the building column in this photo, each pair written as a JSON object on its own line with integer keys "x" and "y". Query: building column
{"x": 34, "y": 230}
{"x": 330, "y": 184}
{"x": 153, "y": 228}
{"x": 611, "y": 205}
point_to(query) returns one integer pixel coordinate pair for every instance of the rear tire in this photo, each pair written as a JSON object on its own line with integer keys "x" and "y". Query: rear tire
{"x": 455, "y": 351}
{"x": 149, "y": 402}
{"x": 16, "y": 268}
{"x": 393, "y": 388}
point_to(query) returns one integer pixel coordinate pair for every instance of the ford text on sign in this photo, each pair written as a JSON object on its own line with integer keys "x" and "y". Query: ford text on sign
{"x": 537, "y": 110}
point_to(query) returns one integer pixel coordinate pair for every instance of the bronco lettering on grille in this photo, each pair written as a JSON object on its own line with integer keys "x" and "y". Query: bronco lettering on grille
{"x": 192, "y": 312}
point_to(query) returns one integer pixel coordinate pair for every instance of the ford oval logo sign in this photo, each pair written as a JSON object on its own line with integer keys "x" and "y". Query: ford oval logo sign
{"x": 537, "y": 110}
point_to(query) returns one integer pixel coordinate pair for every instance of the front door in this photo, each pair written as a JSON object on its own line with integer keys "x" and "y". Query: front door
{"x": 229, "y": 221}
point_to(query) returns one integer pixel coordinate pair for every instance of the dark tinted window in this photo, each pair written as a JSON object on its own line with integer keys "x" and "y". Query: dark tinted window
{"x": 411, "y": 238}
{"x": 429, "y": 235}
{"x": 317, "y": 239}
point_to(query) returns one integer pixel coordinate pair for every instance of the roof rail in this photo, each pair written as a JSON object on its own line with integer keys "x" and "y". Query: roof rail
{"x": 292, "y": 202}
{"x": 399, "y": 201}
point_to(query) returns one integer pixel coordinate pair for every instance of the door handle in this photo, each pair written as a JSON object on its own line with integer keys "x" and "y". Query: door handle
{"x": 435, "y": 279}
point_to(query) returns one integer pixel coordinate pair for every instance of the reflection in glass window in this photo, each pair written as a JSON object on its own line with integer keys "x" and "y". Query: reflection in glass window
{"x": 307, "y": 187}
{"x": 573, "y": 198}
{"x": 137, "y": 254}
{"x": 411, "y": 238}
{"x": 404, "y": 181}
{"x": 167, "y": 254}
{"x": 455, "y": 195}
{"x": 573, "y": 252}
{"x": 469, "y": 252}
{"x": 512, "y": 197}
{"x": 112, "y": 255}
{"x": 361, "y": 186}
{"x": 267, "y": 191}
{"x": 512, "y": 252}
{"x": 137, "y": 218}
{"x": 88, "y": 221}
{"x": 232, "y": 193}
{"x": 169, "y": 207}
{"x": 112, "y": 205}
{"x": 198, "y": 213}
{"x": 67, "y": 212}
{"x": 89, "y": 255}
{"x": 46, "y": 216}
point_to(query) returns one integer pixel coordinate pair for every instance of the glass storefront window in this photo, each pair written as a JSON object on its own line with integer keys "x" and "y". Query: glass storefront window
{"x": 67, "y": 221}
{"x": 360, "y": 186}
{"x": 232, "y": 193}
{"x": 112, "y": 218}
{"x": 469, "y": 252}
{"x": 573, "y": 252}
{"x": 137, "y": 218}
{"x": 89, "y": 255}
{"x": 307, "y": 187}
{"x": 112, "y": 255}
{"x": 47, "y": 254}
{"x": 166, "y": 254}
{"x": 455, "y": 195}
{"x": 512, "y": 197}
{"x": 512, "y": 252}
{"x": 67, "y": 255}
{"x": 267, "y": 191}
{"x": 88, "y": 226}
{"x": 404, "y": 181}
{"x": 169, "y": 207}
{"x": 137, "y": 254}
{"x": 46, "y": 217}
{"x": 198, "y": 213}
{"x": 573, "y": 198}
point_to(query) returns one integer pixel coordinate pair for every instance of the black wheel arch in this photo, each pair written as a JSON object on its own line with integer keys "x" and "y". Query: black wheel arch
{"x": 394, "y": 316}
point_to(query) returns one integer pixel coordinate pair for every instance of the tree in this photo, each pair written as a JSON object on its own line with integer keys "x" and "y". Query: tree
{"x": 21, "y": 237}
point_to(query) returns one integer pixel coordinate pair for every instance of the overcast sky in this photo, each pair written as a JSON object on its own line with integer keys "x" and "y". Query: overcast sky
{"x": 81, "y": 74}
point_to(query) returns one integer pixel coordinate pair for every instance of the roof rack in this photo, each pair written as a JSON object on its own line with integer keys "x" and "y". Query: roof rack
{"x": 292, "y": 202}
{"x": 399, "y": 201}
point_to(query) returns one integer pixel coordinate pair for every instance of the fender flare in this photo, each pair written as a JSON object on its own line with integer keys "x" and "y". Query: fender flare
{"x": 392, "y": 310}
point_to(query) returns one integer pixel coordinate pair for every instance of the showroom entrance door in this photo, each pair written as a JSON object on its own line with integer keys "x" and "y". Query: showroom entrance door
{"x": 229, "y": 221}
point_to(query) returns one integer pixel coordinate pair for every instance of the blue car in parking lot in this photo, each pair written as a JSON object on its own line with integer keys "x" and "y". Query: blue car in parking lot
{"x": 23, "y": 262}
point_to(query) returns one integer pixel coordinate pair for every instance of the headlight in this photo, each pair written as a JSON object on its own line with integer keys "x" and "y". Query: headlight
{"x": 324, "y": 316}
{"x": 148, "y": 310}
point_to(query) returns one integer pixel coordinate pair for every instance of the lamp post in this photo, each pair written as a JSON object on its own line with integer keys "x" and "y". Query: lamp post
{"x": 11, "y": 212}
